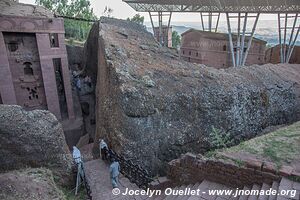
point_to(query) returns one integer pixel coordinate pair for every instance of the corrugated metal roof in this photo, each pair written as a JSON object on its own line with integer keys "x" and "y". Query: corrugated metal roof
{"x": 263, "y": 6}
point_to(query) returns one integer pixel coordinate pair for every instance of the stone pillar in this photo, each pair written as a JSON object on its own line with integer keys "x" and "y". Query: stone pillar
{"x": 48, "y": 73}
{"x": 66, "y": 77}
{"x": 7, "y": 90}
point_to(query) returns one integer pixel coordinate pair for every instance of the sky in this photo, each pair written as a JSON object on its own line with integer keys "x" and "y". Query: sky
{"x": 122, "y": 10}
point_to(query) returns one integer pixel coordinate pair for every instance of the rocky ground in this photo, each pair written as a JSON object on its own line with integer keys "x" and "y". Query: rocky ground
{"x": 34, "y": 184}
{"x": 280, "y": 147}
{"x": 151, "y": 106}
{"x": 35, "y": 160}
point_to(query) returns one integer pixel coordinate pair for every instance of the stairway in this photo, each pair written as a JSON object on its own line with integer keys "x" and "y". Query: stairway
{"x": 285, "y": 184}
{"x": 98, "y": 178}
{"x": 97, "y": 173}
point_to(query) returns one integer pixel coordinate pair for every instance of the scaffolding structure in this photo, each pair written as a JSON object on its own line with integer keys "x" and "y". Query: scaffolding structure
{"x": 288, "y": 33}
{"x": 239, "y": 10}
{"x": 160, "y": 16}
{"x": 211, "y": 18}
{"x": 222, "y": 6}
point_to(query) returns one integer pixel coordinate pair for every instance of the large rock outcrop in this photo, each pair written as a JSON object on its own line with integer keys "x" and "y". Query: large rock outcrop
{"x": 9, "y": 7}
{"x": 34, "y": 184}
{"x": 33, "y": 139}
{"x": 151, "y": 106}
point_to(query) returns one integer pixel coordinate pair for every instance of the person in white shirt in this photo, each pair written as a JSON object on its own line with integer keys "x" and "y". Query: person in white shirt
{"x": 103, "y": 149}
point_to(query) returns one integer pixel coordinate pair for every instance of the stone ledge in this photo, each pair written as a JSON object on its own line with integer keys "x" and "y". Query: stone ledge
{"x": 190, "y": 168}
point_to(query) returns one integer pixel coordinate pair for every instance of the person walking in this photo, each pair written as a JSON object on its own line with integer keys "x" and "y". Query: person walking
{"x": 80, "y": 171}
{"x": 114, "y": 171}
{"x": 103, "y": 149}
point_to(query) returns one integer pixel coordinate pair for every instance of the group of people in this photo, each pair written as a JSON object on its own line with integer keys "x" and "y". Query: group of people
{"x": 114, "y": 168}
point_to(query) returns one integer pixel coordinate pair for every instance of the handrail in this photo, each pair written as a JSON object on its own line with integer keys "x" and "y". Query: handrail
{"x": 81, "y": 175}
{"x": 86, "y": 184}
{"x": 135, "y": 173}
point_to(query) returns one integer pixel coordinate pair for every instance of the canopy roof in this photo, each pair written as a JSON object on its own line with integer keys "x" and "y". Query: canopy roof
{"x": 262, "y": 6}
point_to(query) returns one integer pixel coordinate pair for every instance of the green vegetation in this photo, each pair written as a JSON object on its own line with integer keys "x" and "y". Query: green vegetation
{"x": 137, "y": 19}
{"x": 176, "y": 40}
{"x": 219, "y": 139}
{"x": 239, "y": 162}
{"x": 210, "y": 154}
{"x": 75, "y": 29}
{"x": 70, "y": 194}
{"x": 281, "y": 147}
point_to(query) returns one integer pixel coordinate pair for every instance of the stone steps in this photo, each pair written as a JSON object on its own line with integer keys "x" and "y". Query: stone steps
{"x": 97, "y": 173}
{"x": 204, "y": 186}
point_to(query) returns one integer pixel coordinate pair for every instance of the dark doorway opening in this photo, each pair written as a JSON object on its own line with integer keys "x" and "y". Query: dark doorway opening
{"x": 60, "y": 88}
{"x": 1, "y": 102}
{"x": 28, "y": 69}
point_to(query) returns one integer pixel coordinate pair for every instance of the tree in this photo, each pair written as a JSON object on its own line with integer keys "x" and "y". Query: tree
{"x": 176, "y": 40}
{"x": 73, "y": 8}
{"x": 137, "y": 19}
{"x": 107, "y": 12}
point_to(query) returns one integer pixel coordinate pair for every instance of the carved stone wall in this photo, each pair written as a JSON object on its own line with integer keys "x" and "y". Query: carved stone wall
{"x": 30, "y": 47}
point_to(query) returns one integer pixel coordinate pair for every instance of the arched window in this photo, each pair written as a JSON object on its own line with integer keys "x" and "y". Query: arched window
{"x": 28, "y": 69}
{"x": 224, "y": 48}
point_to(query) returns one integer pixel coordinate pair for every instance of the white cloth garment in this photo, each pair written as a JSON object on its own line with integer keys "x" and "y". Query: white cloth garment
{"x": 76, "y": 155}
{"x": 103, "y": 144}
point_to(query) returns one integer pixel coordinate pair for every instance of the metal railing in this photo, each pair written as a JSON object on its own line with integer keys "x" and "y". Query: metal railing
{"x": 81, "y": 179}
{"x": 135, "y": 173}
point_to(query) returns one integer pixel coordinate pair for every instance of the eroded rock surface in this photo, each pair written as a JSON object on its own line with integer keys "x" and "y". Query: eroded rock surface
{"x": 33, "y": 139}
{"x": 151, "y": 106}
{"x": 8, "y": 7}
{"x": 32, "y": 184}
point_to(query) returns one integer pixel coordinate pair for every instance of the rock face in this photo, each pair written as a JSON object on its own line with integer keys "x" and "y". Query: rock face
{"x": 75, "y": 55}
{"x": 33, "y": 139}
{"x": 9, "y": 7}
{"x": 29, "y": 184}
{"x": 152, "y": 107}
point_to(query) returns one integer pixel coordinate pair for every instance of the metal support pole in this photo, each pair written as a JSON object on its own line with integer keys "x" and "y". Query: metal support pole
{"x": 291, "y": 40}
{"x": 280, "y": 40}
{"x": 238, "y": 42}
{"x": 80, "y": 176}
{"x": 202, "y": 22}
{"x": 293, "y": 45}
{"x": 217, "y": 24}
{"x": 284, "y": 38}
{"x": 230, "y": 40}
{"x": 243, "y": 38}
{"x": 250, "y": 40}
{"x": 210, "y": 21}
{"x": 152, "y": 23}
{"x": 169, "y": 23}
{"x": 160, "y": 36}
